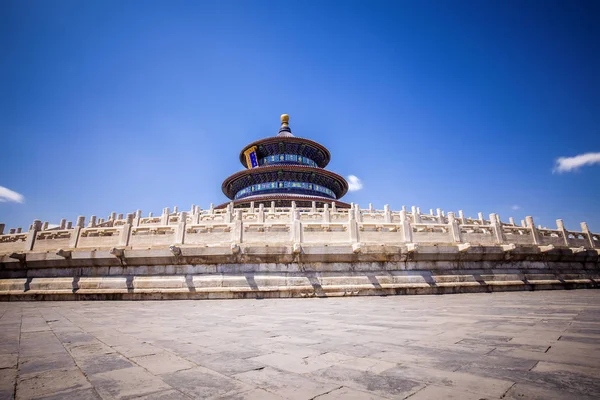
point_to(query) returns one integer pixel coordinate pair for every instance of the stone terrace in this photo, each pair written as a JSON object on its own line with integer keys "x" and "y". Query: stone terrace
{"x": 532, "y": 345}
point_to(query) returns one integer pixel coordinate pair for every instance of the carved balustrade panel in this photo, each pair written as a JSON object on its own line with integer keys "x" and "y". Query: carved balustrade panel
{"x": 380, "y": 233}
{"x": 517, "y": 235}
{"x": 596, "y": 240}
{"x": 578, "y": 239}
{"x": 12, "y": 242}
{"x": 99, "y": 237}
{"x": 325, "y": 233}
{"x": 249, "y": 217}
{"x": 339, "y": 217}
{"x": 477, "y": 234}
{"x": 150, "y": 221}
{"x": 212, "y": 218}
{"x": 52, "y": 240}
{"x": 311, "y": 217}
{"x": 431, "y": 233}
{"x": 267, "y": 233}
{"x": 208, "y": 233}
{"x": 145, "y": 237}
{"x": 551, "y": 236}
{"x": 373, "y": 217}
{"x": 280, "y": 217}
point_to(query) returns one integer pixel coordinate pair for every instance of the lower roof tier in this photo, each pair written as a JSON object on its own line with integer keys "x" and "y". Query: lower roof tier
{"x": 284, "y": 200}
{"x": 296, "y": 179}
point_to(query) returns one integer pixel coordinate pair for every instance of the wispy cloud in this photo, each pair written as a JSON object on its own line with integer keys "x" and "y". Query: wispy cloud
{"x": 354, "y": 183}
{"x": 9, "y": 195}
{"x": 515, "y": 207}
{"x": 567, "y": 164}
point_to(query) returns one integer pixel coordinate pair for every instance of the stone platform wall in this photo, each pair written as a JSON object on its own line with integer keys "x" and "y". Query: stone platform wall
{"x": 285, "y": 271}
{"x": 291, "y": 252}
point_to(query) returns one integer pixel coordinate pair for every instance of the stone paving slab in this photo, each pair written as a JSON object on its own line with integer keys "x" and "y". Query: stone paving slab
{"x": 519, "y": 345}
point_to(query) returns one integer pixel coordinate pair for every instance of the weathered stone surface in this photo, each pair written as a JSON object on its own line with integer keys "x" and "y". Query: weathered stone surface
{"x": 472, "y": 346}
{"x": 52, "y": 382}
{"x": 128, "y": 382}
{"x": 202, "y": 383}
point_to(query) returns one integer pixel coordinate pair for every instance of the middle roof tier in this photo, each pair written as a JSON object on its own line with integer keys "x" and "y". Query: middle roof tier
{"x": 298, "y": 179}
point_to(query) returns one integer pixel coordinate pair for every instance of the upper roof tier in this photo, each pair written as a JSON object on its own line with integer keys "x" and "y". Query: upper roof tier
{"x": 285, "y": 143}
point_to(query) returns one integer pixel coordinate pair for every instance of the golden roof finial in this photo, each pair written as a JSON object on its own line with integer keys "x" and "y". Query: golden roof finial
{"x": 285, "y": 119}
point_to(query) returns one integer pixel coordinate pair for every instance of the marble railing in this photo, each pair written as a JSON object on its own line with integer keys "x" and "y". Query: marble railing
{"x": 293, "y": 225}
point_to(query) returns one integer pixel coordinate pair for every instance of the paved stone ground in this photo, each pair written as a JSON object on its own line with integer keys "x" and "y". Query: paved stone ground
{"x": 522, "y": 345}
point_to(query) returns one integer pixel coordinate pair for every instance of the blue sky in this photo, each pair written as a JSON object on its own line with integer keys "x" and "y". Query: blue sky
{"x": 124, "y": 105}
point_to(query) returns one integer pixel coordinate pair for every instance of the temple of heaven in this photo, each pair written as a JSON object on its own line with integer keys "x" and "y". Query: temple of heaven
{"x": 282, "y": 169}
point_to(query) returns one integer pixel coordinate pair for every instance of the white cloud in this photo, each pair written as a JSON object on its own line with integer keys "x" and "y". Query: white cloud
{"x": 515, "y": 207}
{"x": 9, "y": 195}
{"x": 354, "y": 183}
{"x": 567, "y": 164}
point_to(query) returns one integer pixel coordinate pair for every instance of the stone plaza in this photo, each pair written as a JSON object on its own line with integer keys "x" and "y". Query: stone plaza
{"x": 511, "y": 345}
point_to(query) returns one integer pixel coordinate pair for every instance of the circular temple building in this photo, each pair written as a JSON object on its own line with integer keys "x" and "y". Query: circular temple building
{"x": 282, "y": 169}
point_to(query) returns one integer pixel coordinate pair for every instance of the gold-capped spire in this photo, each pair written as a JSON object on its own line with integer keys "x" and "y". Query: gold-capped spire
{"x": 285, "y": 130}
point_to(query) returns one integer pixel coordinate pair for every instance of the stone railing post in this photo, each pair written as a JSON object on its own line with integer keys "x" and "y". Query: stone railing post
{"x": 511, "y": 221}
{"x": 296, "y": 227}
{"x": 333, "y": 207}
{"x": 63, "y": 224}
{"x": 358, "y": 213}
{"x": 2, "y": 226}
{"x": 586, "y": 231}
{"x": 196, "y": 216}
{"x": 560, "y": 226}
{"x": 138, "y": 216}
{"x": 497, "y": 228}
{"x": 461, "y": 217}
{"x": 454, "y": 228}
{"x": 261, "y": 213}
{"x": 126, "y": 231}
{"x": 416, "y": 217}
{"x": 180, "y": 232}
{"x": 35, "y": 228}
{"x": 229, "y": 213}
{"x": 534, "y": 232}
{"x": 353, "y": 226}
{"x": 74, "y": 239}
{"x": 481, "y": 219}
{"x": 406, "y": 227}
{"x": 313, "y": 207}
{"x": 439, "y": 216}
{"x": 238, "y": 227}
{"x": 326, "y": 214}
{"x": 92, "y": 222}
{"x": 387, "y": 215}
{"x": 164, "y": 218}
